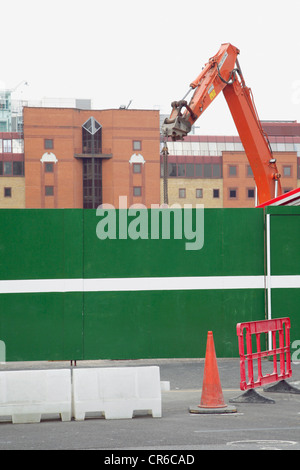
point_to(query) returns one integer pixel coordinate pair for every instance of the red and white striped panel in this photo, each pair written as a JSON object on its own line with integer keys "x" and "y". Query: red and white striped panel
{"x": 292, "y": 198}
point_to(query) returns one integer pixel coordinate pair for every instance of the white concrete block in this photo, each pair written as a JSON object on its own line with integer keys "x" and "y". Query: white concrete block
{"x": 27, "y": 394}
{"x": 116, "y": 392}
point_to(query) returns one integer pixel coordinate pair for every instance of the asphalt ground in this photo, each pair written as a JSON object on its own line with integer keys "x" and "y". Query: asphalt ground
{"x": 178, "y": 433}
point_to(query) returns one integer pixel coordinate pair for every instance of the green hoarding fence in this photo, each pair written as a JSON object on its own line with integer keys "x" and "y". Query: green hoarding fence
{"x": 85, "y": 284}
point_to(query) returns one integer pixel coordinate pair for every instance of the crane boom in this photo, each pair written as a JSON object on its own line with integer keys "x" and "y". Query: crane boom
{"x": 223, "y": 73}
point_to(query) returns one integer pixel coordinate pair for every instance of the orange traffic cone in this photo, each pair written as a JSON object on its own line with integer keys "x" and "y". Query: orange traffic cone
{"x": 212, "y": 394}
{"x": 212, "y": 400}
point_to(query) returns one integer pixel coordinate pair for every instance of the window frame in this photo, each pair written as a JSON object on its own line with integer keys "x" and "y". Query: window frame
{"x": 7, "y": 145}
{"x": 136, "y": 145}
{"x": 47, "y": 166}
{"x": 250, "y": 189}
{"x": 7, "y": 189}
{"x": 6, "y": 164}
{"x": 249, "y": 171}
{"x": 137, "y": 168}
{"x": 49, "y": 144}
{"x": 285, "y": 167}
{"x": 184, "y": 193}
{"x": 47, "y": 188}
{"x": 231, "y": 167}
{"x": 236, "y": 193}
{"x": 199, "y": 189}
{"x": 15, "y": 164}
{"x": 134, "y": 189}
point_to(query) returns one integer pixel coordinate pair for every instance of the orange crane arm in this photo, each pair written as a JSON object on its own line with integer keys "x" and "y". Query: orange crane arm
{"x": 223, "y": 73}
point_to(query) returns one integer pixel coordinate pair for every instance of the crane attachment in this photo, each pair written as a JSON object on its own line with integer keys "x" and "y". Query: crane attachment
{"x": 223, "y": 73}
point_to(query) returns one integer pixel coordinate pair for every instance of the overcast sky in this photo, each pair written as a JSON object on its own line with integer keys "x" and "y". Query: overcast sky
{"x": 114, "y": 51}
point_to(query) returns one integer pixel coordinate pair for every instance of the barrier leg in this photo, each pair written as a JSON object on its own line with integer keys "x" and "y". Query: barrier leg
{"x": 251, "y": 396}
{"x": 282, "y": 387}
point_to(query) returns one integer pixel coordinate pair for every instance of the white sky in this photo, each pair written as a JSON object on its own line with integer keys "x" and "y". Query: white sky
{"x": 114, "y": 51}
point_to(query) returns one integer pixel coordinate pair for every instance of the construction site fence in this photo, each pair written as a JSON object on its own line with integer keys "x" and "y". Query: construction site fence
{"x": 69, "y": 292}
{"x": 252, "y": 350}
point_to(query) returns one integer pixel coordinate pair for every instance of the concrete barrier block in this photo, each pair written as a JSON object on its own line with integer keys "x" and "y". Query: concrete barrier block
{"x": 116, "y": 392}
{"x": 26, "y": 395}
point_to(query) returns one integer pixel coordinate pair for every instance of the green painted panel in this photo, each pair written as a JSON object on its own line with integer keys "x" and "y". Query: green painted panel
{"x": 36, "y": 327}
{"x": 285, "y": 303}
{"x": 118, "y": 325}
{"x": 283, "y": 210}
{"x": 285, "y": 236}
{"x": 233, "y": 245}
{"x": 163, "y": 324}
{"x": 40, "y": 244}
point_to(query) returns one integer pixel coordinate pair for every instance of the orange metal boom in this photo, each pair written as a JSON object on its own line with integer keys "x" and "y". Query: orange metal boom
{"x": 223, "y": 73}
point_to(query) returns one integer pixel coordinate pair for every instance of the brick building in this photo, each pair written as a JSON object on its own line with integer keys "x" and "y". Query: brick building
{"x": 214, "y": 170}
{"x": 82, "y": 158}
{"x": 70, "y": 157}
{"x": 12, "y": 182}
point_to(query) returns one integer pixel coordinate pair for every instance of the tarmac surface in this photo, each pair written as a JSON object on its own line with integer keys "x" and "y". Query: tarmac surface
{"x": 254, "y": 426}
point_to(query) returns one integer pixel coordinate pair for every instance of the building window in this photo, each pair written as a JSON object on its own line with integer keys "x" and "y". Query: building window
{"x": 92, "y": 167}
{"x": 182, "y": 193}
{"x": 207, "y": 170}
{"x": 216, "y": 193}
{"x": 137, "y": 145}
{"x": 287, "y": 171}
{"x": 7, "y": 168}
{"x": 232, "y": 170}
{"x": 216, "y": 171}
{"x": 198, "y": 170}
{"x": 172, "y": 169}
{"x": 49, "y": 190}
{"x": 232, "y": 193}
{"x": 18, "y": 146}
{"x": 92, "y": 182}
{"x": 18, "y": 168}
{"x": 199, "y": 193}
{"x": 48, "y": 143}
{"x": 189, "y": 170}
{"x": 7, "y": 192}
{"x": 6, "y": 146}
{"x": 181, "y": 170}
{"x": 287, "y": 190}
{"x": 250, "y": 193}
{"x": 137, "y": 168}
{"x": 49, "y": 167}
{"x": 249, "y": 171}
{"x": 91, "y": 137}
{"x": 137, "y": 191}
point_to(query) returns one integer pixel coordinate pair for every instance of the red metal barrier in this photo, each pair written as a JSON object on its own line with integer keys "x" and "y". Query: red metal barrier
{"x": 280, "y": 325}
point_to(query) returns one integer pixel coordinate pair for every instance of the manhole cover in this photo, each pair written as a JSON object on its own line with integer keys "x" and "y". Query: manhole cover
{"x": 262, "y": 444}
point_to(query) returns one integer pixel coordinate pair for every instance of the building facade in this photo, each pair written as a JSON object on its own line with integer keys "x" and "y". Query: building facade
{"x": 66, "y": 157}
{"x": 83, "y": 158}
{"x": 214, "y": 170}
